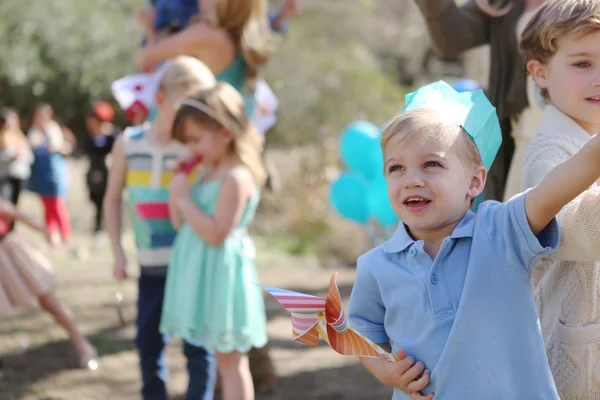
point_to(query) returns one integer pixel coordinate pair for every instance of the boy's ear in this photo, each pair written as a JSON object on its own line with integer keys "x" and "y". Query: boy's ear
{"x": 538, "y": 72}
{"x": 477, "y": 182}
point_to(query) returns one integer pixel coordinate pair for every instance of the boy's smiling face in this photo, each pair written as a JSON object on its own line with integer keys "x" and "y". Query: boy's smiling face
{"x": 431, "y": 181}
{"x": 572, "y": 78}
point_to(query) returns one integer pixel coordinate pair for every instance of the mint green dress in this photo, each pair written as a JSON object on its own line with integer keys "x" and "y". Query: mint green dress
{"x": 212, "y": 295}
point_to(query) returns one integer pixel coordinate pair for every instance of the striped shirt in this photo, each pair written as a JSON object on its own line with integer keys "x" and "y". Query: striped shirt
{"x": 148, "y": 175}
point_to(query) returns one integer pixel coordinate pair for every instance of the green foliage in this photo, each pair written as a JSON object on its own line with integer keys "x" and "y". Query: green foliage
{"x": 64, "y": 52}
{"x": 338, "y": 63}
{"x": 326, "y": 72}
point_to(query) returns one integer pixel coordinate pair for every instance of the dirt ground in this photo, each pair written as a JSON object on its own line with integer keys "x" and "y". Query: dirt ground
{"x": 38, "y": 362}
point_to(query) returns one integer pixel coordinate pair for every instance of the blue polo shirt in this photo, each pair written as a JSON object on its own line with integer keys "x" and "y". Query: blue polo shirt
{"x": 469, "y": 315}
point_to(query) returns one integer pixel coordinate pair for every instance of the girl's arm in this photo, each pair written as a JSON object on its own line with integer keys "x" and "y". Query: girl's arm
{"x": 174, "y": 213}
{"x": 8, "y": 210}
{"x": 113, "y": 198}
{"x": 198, "y": 40}
{"x": 564, "y": 183}
{"x": 230, "y": 205}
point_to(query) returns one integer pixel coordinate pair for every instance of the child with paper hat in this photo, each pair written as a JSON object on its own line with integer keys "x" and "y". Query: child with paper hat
{"x": 451, "y": 287}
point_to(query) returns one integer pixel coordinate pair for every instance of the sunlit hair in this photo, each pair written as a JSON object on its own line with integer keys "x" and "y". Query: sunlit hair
{"x": 557, "y": 19}
{"x": 247, "y": 23}
{"x": 428, "y": 123}
{"x": 495, "y": 8}
{"x": 223, "y": 107}
{"x": 554, "y": 20}
{"x": 184, "y": 75}
{"x": 10, "y": 127}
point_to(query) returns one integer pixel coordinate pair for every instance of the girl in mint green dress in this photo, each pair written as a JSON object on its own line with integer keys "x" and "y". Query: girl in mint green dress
{"x": 212, "y": 295}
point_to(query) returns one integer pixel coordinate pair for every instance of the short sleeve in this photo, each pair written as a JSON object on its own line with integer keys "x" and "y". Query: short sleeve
{"x": 510, "y": 235}
{"x": 366, "y": 311}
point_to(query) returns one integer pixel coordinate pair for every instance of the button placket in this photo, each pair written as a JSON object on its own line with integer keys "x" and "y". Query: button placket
{"x": 421, "y": 263}
{"x": 441, "y": 301}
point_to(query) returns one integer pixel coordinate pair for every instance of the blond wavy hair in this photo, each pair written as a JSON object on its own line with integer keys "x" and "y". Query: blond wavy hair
{"x": 495, "y": 8}
{"x": 184, "y": 75}
{"x": 247, "y": 23}
{"x": 223, "y": 107}
{"x": 554, "y": 20}
{"x": 557, "y": 19}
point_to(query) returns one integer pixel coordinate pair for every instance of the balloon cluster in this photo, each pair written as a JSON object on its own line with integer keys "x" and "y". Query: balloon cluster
{"x": 360, "y": 192}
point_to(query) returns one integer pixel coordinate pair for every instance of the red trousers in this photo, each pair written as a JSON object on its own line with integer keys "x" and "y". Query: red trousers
{"x": 57, "y": 216}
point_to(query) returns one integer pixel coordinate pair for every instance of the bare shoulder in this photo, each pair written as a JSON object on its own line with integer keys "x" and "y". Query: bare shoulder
{"x": 241, "y": 177}
{"x": 208, "y": 33}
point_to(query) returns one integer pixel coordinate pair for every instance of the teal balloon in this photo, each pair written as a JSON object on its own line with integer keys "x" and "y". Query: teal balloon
{"x": 378, "y": 203}
{"x": 348, "y": 197}
{"x": 360, "y": 150}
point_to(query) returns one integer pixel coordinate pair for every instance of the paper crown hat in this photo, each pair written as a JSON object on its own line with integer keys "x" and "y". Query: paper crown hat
{"x": 471, "y": 110}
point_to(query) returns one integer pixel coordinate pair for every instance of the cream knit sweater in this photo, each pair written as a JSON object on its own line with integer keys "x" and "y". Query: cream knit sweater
{"x": 568, "y": 295}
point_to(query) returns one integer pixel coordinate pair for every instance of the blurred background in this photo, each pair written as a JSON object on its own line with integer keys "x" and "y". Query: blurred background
{"x": 340, "y": 61}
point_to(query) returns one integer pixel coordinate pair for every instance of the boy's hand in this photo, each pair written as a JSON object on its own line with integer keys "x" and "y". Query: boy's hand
{"x": 119, "y": 269}
{"x": 289, "y": 9}
{"x": 409, "y": 376}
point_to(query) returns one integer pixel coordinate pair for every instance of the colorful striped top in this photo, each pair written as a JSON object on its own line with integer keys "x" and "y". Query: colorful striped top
{"x": 148, "y": 175}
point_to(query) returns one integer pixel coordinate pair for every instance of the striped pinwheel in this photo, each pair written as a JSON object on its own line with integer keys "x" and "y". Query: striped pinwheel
{"x": 314, "y": 316}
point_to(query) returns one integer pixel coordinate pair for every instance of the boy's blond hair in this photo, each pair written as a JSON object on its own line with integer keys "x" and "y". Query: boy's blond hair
{"x": 554, "y": 20}
{"x": 430, "y": 123}
{"x": 184, "y": 75}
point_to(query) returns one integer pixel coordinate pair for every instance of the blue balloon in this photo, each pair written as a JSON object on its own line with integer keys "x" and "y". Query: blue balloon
{"x": 348, "y": 197}
{"x": 465, "y": 85}
{"x": 360, "y": 149}
{"x": 378, "y": 203}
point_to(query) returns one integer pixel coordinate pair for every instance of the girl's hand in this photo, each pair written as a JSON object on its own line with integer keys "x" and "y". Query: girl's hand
{"x": 409, "y": 376}
{"x": 179, "y": 187}
{"x": 187, "y": 165}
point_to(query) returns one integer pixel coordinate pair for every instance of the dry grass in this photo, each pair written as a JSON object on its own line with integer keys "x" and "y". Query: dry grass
{"x": 40, "y": 364}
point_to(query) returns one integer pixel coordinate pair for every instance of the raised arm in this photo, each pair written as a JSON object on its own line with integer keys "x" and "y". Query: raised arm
{"x": 453, "y": 29}
{"x": 280, "y": 19}
{"x": 580, "y": 235}
{"x": 198, "y": 40}
{"x": 563, "y": 184}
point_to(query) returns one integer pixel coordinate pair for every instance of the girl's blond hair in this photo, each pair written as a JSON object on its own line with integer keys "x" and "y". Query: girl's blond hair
{"x": 246, "y": 21}
{"x": 495, "y": 8}
{"x": 183, "y": 75}
{"x": 223, "y": 107}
